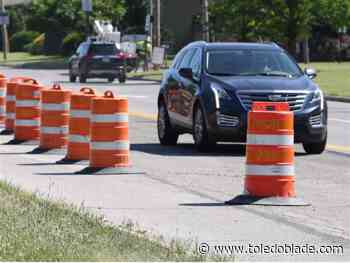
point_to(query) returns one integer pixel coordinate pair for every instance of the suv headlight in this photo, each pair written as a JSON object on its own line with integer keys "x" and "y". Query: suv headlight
{"x": 219, "y": 94}
{"x": 318, "y": 97}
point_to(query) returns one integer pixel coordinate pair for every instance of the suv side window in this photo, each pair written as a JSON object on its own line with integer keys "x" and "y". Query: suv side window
{"x": 84, "y": 49}
{"x": 186, "y": 61}
{"x": 80, "y": 48}
{"x": 196, "y": 63}
{"x": 178, "y": 59}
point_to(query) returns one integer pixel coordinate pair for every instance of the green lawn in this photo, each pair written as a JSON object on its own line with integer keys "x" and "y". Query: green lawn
{"x": 155, "y": 75}
{"x": 34, "y": 229}
{"x": 28, "y": 61}
{"x": 333, "y": 78}
{"x": 14, "y": 57}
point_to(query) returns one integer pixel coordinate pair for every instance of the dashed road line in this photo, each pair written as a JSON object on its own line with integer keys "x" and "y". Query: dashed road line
{"x": 339, "y": 120}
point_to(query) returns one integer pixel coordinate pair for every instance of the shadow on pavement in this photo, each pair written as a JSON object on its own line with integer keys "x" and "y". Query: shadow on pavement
{"x": 234, "y": 150}
{"x": 60, "y": 174}
{"x": 189, "y": 150}
{"x": 37, "y": 164}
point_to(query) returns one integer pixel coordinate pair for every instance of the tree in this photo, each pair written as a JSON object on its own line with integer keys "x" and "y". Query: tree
{"x": 67, "y": 16}
{"x": 285, "y": 21}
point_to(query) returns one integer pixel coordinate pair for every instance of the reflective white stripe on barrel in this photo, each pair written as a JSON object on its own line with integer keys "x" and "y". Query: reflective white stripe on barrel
{"x": 265, "y": 170}
{"x": 256, "y": 139}
{"x": 10, "y": 115}
{"x": 2, "y": 92}
{"x": 2, "y": 110}
{"x": 10, "y": 98}
{"x": 54, "y": 130}
{"x": 27, "y": 123}
{"x": 107, "y": 118}
{"x": 27, "y": 103}
{"x": 80, "y": 114}
{"x": 117, "y": 145}
{"x": 55, "y": 107}
{"x": 79, "y": 139}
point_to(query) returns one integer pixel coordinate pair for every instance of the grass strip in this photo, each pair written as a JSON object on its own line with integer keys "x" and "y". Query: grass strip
{"x": 332, "y": 77}
{"x": 35, "y": 229}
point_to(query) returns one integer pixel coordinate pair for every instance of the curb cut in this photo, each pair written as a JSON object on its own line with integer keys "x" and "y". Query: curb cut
{"x": 338, "y": 99}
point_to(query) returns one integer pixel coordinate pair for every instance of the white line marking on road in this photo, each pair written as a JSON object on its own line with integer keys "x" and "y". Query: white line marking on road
{"x": 339, "y": 120}
{"x": 135, "y": 96}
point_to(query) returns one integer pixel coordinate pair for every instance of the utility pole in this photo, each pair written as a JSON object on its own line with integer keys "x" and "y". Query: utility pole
{"x": 5, "y": 42}
{"x": 156, "y": 24}
{"x": 205, "y": 20}
{"x": 151, "y": 13}
{"x": 158, "y": 35}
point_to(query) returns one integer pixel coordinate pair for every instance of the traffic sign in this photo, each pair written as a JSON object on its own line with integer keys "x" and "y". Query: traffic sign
{"x": 86, "y": 5}
{"x": 4, "y": 18}
{"x": 158, "y": 55}
{"x": 148, "y": 23}
{"x": 16, "y": 2}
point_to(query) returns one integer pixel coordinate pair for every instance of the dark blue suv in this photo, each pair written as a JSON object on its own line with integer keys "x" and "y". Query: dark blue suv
{"x": 210, "y": 88}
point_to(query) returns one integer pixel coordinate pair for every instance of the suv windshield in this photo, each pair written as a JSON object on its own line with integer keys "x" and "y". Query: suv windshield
{"x": 103, "y": 49}
{"x": 251, "y": 63}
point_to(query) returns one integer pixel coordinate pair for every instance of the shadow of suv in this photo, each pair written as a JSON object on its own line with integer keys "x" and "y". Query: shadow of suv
{"x": 210, "y": 88}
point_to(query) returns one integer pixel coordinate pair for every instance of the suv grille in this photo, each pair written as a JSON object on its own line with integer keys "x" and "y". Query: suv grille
{"x": 295, "y": 100}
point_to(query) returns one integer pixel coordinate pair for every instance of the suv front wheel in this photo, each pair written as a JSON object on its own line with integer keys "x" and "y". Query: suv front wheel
{"x": 166, "y": 134}
{"x": 201, "y": 138}
{"x": 315, "y": 148}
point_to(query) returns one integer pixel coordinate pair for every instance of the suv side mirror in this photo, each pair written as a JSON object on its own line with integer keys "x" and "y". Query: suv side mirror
{"x": 186, "y": 73}
{"x": 310, "y": 72}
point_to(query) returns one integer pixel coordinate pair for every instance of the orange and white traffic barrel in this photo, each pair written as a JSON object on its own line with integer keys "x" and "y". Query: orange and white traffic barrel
{"x": 3, "y": 83}
{"x": 11, "y": 102}
{"x": 79, "y": 125}
{"x": 109, "y": 146}
{"x": 27, "y": 115}
{"x": 54, "y": 118}
{"x": 270, "y": 173}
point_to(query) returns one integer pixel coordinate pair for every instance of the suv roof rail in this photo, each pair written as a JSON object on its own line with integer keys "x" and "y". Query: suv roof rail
{"x": 273, "y": 44}
{"x": 198, "y": 42}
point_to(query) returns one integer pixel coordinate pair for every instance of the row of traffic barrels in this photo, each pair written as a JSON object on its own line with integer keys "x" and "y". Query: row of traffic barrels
{"x": 91, "y": 127}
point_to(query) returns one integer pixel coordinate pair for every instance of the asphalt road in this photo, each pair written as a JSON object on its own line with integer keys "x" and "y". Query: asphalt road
{"x": 178, "y": 193}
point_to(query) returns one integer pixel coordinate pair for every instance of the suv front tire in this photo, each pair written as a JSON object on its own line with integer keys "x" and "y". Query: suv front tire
{"x": 315, "y": 148}
{"x": 166, "y": 134}
{"x": 201, "y": 137}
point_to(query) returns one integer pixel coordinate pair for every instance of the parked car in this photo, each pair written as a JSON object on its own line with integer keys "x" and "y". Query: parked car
{"x": 210, "y": 88}
{"x": 97, "y": 60}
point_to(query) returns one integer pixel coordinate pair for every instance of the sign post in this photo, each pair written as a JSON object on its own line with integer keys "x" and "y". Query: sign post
{"x": 3, "y": 22}
{"x": 86, "y": 5}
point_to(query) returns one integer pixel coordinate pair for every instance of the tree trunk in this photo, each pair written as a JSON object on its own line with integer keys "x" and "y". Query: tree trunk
{"x": 292, "y": 32}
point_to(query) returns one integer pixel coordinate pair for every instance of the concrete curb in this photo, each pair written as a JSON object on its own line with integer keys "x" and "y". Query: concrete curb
{"x": 338, "y": 99}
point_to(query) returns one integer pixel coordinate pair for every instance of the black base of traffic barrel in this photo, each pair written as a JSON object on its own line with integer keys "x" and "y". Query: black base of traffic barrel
{"x": 17, "y": 142}
{"x": 6, "y": 132}
{"x": 39, "y": 150}
{"x": 266, "y": 201}
{"x": 109, "y": 171}
{"x": 69, "y": 161}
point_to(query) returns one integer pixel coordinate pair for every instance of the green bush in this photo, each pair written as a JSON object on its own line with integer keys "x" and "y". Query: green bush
{"x": 20, "y": 39}
{"x": 36, "y": 47}
{"x": 71, "y": 42}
